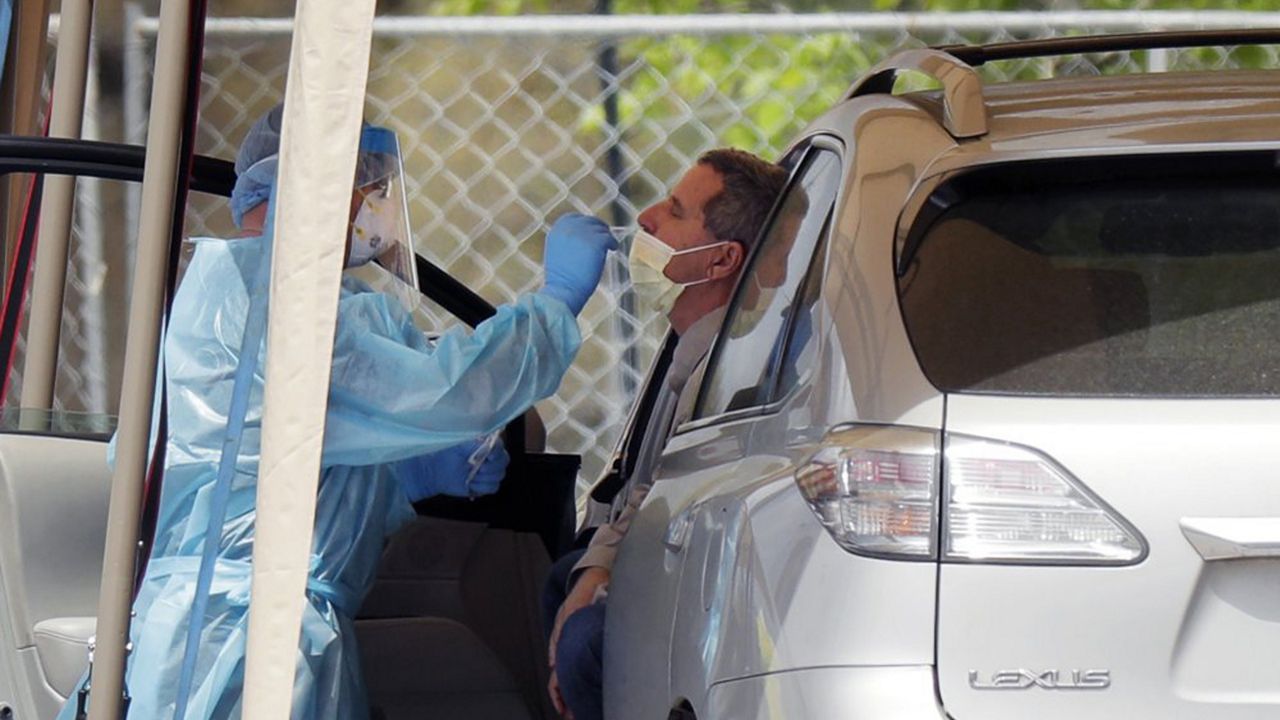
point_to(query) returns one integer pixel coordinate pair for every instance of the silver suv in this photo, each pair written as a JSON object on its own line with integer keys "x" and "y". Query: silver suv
{"x": 1001, "y": 444}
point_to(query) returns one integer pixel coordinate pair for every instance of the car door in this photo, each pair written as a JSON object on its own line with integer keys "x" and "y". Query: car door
{"x": 670, "y": 568}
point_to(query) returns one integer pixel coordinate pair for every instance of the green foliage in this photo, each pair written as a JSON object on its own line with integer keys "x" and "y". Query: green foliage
{"x": 775, "y": 85}
{"x": 770, "y": 87}
{"x": 1249, "y": 5}
{"x": 486, "y": 7}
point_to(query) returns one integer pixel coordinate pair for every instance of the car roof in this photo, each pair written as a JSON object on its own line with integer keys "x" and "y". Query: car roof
{"x": 1155, "y": 110}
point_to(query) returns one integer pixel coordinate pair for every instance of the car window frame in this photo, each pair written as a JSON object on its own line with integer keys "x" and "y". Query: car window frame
{"x": 798, "y": 156}
{"x": 818, "y": 264}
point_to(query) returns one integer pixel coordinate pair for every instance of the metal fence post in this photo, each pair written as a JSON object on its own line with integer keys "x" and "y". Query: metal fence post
{"x": 1158, "y": 60}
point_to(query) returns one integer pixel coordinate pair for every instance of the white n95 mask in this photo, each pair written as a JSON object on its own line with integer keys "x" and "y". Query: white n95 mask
{"x": 648, "y": 262}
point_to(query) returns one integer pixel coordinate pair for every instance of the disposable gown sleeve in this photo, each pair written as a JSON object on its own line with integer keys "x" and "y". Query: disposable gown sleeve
{"x": 393, "y": 395}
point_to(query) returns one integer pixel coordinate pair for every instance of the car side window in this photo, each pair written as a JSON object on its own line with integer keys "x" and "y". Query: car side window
{"x": 752, "y": 341}
{"x": 797, "y": 356}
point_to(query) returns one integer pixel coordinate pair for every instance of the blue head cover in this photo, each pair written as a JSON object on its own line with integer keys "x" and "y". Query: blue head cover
{"x": 379, "y": 156}
{"x": 256, "y": 164}
{"x": 258, "y": 159}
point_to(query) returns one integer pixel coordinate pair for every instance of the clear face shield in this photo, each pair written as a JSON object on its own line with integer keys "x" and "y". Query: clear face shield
{"x": 380, "y": 231}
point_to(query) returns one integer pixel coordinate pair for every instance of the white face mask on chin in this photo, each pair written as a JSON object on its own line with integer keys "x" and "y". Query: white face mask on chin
{"x": 648, "y": 263}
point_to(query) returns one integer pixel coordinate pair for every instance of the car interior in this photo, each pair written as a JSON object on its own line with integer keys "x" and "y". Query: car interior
{"x": 452, "y": 627}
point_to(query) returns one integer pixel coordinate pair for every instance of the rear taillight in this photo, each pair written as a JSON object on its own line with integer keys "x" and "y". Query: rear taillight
{"x": 875, "y": 489}
{"x": 1006, "y": 503}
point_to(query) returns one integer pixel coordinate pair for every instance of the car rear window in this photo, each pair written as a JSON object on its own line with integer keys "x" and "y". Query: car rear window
{"x": 1133, "y": 276}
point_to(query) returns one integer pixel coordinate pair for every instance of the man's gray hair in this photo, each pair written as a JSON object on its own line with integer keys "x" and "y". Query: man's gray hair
{"x": 751, "y": 186}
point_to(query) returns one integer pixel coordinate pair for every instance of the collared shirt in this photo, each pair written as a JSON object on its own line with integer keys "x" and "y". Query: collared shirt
{"x": 689, "y": 351}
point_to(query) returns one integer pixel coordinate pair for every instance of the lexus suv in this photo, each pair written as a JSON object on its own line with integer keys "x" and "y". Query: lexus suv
{"x": 1005, "y": 441}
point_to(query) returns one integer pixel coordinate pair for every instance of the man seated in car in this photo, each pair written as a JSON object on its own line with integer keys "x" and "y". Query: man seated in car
{"x": 685, "y": 259}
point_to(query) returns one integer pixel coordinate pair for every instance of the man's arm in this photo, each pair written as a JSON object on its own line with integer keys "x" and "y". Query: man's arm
{"x": 603, "y": 549}
{"x": 592, "y": 573}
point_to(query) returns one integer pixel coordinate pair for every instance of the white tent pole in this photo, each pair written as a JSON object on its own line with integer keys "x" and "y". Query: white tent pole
{"x": 146, "y": 307}
{"x": 324, "y": 101}
{"x": 50, "y": 276}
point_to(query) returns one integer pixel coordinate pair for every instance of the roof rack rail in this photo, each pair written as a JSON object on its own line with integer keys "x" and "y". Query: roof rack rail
{"x": 976, "y": 55}
{"x": 964, "y": 113}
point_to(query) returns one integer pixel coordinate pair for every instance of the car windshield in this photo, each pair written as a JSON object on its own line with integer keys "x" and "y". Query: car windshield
{"x": 1135, "y": 276}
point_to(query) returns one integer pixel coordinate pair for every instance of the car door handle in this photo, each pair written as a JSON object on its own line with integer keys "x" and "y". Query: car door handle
{"x": 1233, "y": 538}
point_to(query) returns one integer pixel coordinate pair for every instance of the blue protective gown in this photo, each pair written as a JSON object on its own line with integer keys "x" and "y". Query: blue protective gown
{"x": 391, "y": 397}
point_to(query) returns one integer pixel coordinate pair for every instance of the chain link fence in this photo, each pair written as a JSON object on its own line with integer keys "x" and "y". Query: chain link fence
{"x": 507, "y": 123}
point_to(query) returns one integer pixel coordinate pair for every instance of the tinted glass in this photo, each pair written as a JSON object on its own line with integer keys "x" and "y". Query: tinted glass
{"x": 796, "y": 360}
{"x": 1141, "y": 276}
{"x": 751, "y": 344}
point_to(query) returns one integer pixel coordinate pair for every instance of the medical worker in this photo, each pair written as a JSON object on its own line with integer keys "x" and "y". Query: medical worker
{"x": 402, "y": 420}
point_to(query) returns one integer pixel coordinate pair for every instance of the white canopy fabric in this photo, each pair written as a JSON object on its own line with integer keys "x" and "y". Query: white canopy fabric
{"x": 324, "y": 101}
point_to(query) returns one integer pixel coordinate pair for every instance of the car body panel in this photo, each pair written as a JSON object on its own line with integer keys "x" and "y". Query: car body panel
{"x": 884, "y": 693}
{"x": 858, "y": 292}
{"x": 738, "y": 607}
{"x": 645, "y": 586}
{"x": 31, "y": 693}
{"x": 767, "y": 590}
{"x": 1180, "y": 636}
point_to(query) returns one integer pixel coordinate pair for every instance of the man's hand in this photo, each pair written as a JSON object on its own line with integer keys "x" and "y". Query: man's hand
{"x": 557, "y": 700}
{"x": 583, "y": 592}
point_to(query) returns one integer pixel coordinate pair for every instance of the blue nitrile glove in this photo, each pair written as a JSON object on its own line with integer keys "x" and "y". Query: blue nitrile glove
{"x": 445, "y": 472}
{"x": 574, "y": 258}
